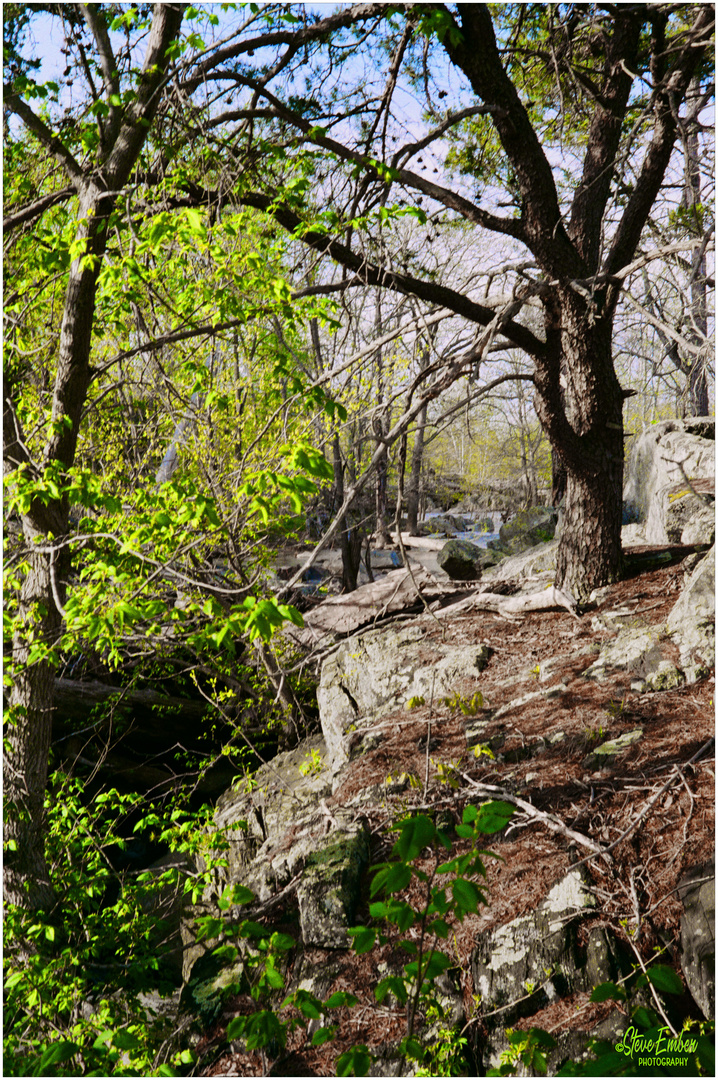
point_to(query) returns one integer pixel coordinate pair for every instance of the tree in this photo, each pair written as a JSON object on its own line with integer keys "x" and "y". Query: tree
{"x": 626, "y": 70}
{"x": 114, "y": 254}
{"x": 123, "y": 126}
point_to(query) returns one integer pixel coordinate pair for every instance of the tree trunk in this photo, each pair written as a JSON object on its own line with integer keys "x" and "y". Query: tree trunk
{"x": 590, "y": 443}
{"x": 41, "y": 596}
{"x": 349, "y": 539}
{"x": 589, "y": 552}
{"x": 697, "y": 389}
{"x": 27, "y": 743}
{"x": 382, "y": 537}
{"x": 417, "y": 458}
{"x": 413, "y": 487}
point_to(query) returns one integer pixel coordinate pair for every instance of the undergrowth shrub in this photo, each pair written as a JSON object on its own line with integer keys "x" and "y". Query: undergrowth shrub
{"x": 76, "y": 976}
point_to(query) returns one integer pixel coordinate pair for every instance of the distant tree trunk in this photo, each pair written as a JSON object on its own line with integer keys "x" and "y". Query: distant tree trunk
{"x": 697, "y": 388}
{"x": 414, "y": 486}
{"x": 382, "y": 536}
{"x": 417, "y": 457}
{"x": 350, "y": 540}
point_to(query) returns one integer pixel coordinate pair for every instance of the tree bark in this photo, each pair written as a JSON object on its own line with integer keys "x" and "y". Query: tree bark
{"x": 590, "y": 444}
{"x": 414, "y": 485}
{"x": 697, "y": 389}
{"x": 382, "y": 537}
{"x": 27, "y": 742}
{"x": 349, "y": 539}
{"x": 41, "y": 599}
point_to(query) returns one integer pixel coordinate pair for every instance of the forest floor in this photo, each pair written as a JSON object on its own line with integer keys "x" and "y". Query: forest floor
{"x": 543, "y": 750}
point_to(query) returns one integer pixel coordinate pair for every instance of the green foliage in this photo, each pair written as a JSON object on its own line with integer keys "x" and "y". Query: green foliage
{"x": 449, "y": 894}
{"x": 526, "y": 1048}
{"x": 647, "y": 1047}
{"x": 312, "y": 764}
{"x": 468, "y": 706}
{"x": 75, "y": 976}
{"x": 445, "y": 1055}
{"x": 421, "y": 927}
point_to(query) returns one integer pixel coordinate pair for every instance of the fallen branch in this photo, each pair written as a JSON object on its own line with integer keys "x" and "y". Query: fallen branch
{"x": 539, "y": 601}
{"x": 552, "y": 822}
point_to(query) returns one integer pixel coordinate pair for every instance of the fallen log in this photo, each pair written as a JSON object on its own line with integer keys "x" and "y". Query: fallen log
{"x": 342, "y": 615}
{"x": 78, "y": 701}
{"x": 511, "y": 606}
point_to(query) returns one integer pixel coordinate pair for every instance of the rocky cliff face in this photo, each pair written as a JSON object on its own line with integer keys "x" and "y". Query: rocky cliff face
{"x": 596, "y": 729}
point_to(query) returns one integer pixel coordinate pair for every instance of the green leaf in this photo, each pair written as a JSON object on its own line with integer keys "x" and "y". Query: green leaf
{"x": 440, "y": 928}
{"x": 55, "y": 1054}
{"x": 364, "y": 938}
{"x": 466, "y": 896}
{"x": 665, "y": 979}
{"x": 341, "y": 999}
{"x": 392, "y": 984}
{"x": 274, "y": 978}
{"x": 706, "y": 1055}
{"x": 416, "y": 834}
{"x": 282, "y": 942}
{"x": 308, "y": 1004}
{"x": 354, "y": 1062}
{"x": 413, "y": 1048}
{"x": 324, "y": 1035}
{"x": 492, "y": 817}
{"x": 438, "y": 962}
{"x": 239, "y": 894}
{"x": 391, "y": 878}
{"x": 644, "y": 1017}
{"x": 606, "y": 991}
{"x": 236, "y": 1027}
{"x": 125, "y": 1040}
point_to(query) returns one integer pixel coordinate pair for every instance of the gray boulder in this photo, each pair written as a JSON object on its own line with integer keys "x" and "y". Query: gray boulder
{"x": 441, "y": 524}
{"x": 690, "y": 518}
{"x": 701, "y": 526}
{"x": 691, "y": 623}
{"x": 670, "y": 462}
{"x": 540, "y": 953}
{"x": 536, "y": 562}
{"x": 330, "y": 887}
{"x": 459, "y": 559}
{"x": 484, "y": 524}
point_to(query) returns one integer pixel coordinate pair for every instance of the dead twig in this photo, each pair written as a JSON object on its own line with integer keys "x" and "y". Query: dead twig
{"x": 652, "y": 988}
{"x": 652, "y": 801}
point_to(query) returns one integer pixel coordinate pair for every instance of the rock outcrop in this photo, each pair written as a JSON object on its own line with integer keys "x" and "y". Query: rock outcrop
{"x": 648, "y": 652}
{"x": 373, "y": 674}
{"x": 304, "y": 833}
{"x": 670, "y": 485}
{"x": 698, "y": 893}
